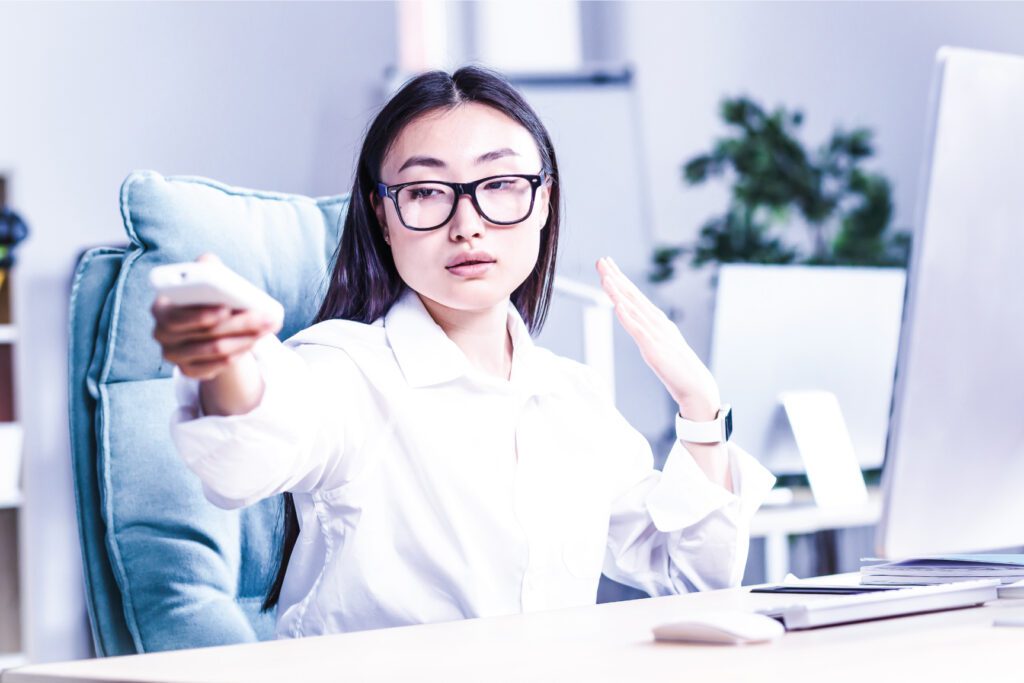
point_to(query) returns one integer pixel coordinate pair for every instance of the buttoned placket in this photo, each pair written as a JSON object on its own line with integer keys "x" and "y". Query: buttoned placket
{"x": 522, "y": 396}
{"x": 529, "y": 591}
{"x": 527, "y": 391}
{"x": 523, "y": 389}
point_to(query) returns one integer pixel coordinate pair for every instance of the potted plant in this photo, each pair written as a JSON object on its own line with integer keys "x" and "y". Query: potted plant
{"x": 790, "y": 206}
{"x": 846, "y": 208}
{"x": 12, "y": 231}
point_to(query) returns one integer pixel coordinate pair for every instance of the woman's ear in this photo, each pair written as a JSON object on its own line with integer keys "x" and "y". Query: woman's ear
{"x": 544, "y": 198}
{"x": 382, "y": 216}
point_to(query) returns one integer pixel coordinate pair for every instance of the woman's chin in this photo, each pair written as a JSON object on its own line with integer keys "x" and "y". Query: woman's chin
{"x": 468, "y": 295}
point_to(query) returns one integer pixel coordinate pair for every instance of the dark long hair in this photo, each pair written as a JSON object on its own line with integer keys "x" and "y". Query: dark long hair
{"x": 365, "y": 283}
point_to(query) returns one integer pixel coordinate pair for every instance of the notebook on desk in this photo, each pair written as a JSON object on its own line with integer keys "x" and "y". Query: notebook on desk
{"x": 935, "y": 569}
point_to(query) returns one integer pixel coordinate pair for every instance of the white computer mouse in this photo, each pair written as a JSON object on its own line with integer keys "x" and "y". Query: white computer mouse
{"x": 722, "y": 627}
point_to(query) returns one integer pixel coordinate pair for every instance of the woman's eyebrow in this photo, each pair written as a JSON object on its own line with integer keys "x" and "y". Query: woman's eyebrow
{"x": 496, "y": 154}
{"x": 432, "y": 162}
{"x": 422, "y": 161}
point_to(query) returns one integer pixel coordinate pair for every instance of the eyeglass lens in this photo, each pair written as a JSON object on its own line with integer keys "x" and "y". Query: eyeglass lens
{"x": 501, "y": 200}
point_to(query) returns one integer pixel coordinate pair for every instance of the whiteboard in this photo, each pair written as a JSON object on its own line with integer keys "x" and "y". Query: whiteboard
{"x": 594, "y": 124}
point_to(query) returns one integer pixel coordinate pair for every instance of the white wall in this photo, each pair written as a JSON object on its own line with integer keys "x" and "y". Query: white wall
{"x": 865, "y": 63}
{"x": 266, "y": 95}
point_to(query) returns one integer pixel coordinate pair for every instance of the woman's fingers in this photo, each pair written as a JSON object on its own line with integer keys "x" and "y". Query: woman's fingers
{"x": 622, "y": 285}
{"x": 201, "y": 341}
{"x": 630, "y": 290}
{"x": 632, "y": 317}
{"x": 620, "y": 288}
{"x": 660, "y": 342}
{"x": 653, "y": 331}
{"x": 241, "y": 323}
{"x": 219, "y": 349}
{"x": 204, "y": 340}
{"x": 171, "y": 318}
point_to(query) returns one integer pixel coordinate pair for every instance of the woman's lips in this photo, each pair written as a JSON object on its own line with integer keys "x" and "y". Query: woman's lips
{"x": 470, "y": 268}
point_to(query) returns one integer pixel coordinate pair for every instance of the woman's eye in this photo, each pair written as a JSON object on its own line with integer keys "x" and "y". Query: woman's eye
{"x": 422, "y": 192}
{"x": 502, "y": 184}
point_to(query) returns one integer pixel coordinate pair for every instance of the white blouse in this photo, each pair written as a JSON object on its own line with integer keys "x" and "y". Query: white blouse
{"x": 428, "y": 491}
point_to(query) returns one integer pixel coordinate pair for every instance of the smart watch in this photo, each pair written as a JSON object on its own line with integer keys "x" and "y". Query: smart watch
{"x": 714, "y": 431}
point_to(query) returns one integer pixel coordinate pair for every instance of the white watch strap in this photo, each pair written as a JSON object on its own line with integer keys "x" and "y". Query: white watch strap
{"x": 713, "y": 431}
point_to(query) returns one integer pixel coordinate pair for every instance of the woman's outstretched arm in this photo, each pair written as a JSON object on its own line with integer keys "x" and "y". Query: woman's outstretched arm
{"x": 666, "y": 351}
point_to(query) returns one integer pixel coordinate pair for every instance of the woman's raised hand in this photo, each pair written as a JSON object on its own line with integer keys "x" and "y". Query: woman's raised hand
{"x": 204, "y": 341}
{"x": 662, "y": 346}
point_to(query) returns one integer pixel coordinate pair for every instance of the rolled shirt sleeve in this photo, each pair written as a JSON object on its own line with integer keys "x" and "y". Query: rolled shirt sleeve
{"x": 285, "y": 443}
{"x": 677, "y": 531}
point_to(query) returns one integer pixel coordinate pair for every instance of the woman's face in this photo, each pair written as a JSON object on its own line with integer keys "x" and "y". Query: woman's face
{"x": 461, "y": 145}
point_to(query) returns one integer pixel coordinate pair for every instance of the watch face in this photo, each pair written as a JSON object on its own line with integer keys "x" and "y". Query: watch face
{"x": 728, "y": 424}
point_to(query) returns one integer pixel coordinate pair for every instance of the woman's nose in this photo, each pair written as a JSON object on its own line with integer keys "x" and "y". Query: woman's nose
{"x": 466, "y": 222}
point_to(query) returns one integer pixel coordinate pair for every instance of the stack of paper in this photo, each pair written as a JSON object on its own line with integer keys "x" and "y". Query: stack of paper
{"x": 934, "y": 569}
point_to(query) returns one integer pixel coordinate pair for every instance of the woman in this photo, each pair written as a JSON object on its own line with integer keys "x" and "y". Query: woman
{"x": 440, "y": 465}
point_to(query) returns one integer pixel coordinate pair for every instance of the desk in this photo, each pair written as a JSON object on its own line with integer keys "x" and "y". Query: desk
{"x": 609, "y": 642}
{"x": 777, "y": 523}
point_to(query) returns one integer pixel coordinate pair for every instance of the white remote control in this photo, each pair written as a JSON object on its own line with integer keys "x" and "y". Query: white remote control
{"x": 211, "y": 283}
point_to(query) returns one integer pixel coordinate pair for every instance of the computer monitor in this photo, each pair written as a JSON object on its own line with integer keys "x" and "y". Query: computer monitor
{"x": 954, "y": 469}
{"x": 781, "y": 329}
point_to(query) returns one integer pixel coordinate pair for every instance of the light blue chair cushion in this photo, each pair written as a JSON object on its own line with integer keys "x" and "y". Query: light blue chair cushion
{"x": 95, "y": 276}
{"x": 186, "y": 573}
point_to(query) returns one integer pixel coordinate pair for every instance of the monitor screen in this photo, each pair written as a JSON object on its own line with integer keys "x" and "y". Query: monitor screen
{"x": 781, "y": 329}
{"x": 954, "y": 471}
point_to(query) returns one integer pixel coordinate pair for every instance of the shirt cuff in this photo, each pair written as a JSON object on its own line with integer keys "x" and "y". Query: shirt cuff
{"x": 186, "y": 394}
{"x": 186, "y": 389}
{"x": 684, "y": 495}
{"x": 211, "y": 444}
{"x": 751, "y": 479}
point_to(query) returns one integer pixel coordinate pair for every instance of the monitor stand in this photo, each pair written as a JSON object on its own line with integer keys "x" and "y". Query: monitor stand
{"x": 825, "y": 447}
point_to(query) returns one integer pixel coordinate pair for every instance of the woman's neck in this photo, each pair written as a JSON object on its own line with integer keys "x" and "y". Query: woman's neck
{"x": 482, "y": 335}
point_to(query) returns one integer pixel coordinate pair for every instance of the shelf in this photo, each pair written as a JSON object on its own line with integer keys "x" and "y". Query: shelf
{"x": 8, "y": 334}
{"x": 10, "y": 660}
{"x": 10, "y": 464}
{"x": 10, "y": 500}
{"x": 803, "y": 517}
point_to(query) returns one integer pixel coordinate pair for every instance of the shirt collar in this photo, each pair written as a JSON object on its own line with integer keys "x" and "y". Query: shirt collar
{"x": 427, "y": 356}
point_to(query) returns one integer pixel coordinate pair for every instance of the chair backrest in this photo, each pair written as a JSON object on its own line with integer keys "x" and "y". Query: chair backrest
{"x": 164, "y": 568}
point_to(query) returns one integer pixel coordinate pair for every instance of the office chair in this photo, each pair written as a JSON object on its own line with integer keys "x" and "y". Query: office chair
{"x": 164, "y": 568}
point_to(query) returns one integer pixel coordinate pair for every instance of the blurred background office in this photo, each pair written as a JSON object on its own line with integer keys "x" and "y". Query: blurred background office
{"x": 277, "y": 95}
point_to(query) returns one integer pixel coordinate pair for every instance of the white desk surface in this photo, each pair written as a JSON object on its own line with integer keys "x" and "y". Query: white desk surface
{"x": 610, "y": 642}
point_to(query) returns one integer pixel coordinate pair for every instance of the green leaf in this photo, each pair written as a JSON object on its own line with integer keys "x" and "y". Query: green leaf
{"x": 663, "y": 261}
{"x": 775, "y": 178}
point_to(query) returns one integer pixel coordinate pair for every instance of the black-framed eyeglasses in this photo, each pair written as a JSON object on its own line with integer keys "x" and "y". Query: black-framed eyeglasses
{"x": 499, "y": 199}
